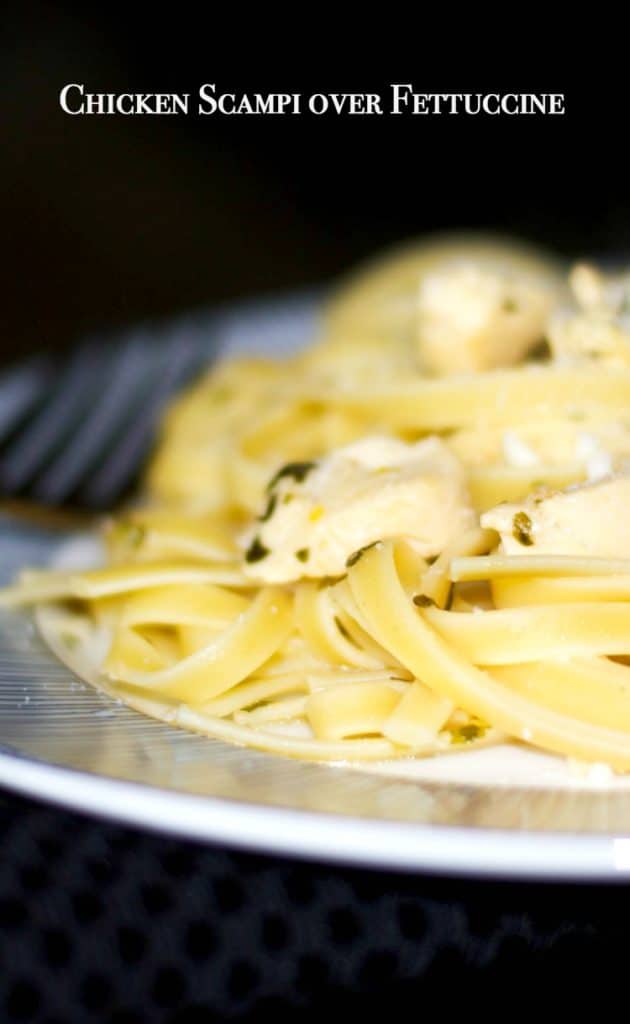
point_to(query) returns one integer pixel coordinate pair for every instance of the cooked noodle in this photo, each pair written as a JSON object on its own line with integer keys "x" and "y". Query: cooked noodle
{"x": 401, "y": 621}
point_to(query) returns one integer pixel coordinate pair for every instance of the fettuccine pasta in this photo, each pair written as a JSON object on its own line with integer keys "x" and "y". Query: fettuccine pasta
{"x": 409, "y": 539}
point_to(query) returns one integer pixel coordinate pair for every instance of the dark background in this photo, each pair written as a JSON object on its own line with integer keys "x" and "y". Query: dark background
{"x": 111, "y": 219}
{"x": 108, "y": 220}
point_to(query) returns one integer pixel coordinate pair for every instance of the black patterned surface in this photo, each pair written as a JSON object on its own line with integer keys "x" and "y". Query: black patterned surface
{"x": 105, "y": 923}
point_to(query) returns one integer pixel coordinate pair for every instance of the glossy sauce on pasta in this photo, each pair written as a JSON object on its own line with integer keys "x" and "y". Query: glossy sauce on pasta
{"x": 322, "y": 566}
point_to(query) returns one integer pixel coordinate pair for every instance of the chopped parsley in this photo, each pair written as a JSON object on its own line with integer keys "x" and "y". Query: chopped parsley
{"x": 256, "y": 551}
{"x": 328, "y": 581}
{"x": 342, "y": 629}
{"x": 522, "y": 529}
{"x": 510, "y": 306}
{"x": 303, "y": 554}
{"x": 540, "y": 352}
{"x": 356, "y": 555}
{"x": 270, "y": 509}
{"x": 468, "y": 733}
{"x": 297, "y": 470}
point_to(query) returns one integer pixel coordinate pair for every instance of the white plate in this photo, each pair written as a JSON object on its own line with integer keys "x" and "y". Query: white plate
{"x": 505, "y": 812}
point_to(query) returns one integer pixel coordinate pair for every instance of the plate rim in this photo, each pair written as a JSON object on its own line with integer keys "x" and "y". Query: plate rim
{"x": 354, "y": 841}
{"x": 382, "y": 844}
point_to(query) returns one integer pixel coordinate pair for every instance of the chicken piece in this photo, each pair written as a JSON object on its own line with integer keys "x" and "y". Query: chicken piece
{"x": 377, "y": 305}
{"x": 540, "y": 441}
{"x": 588, "y": 520}
{"x": 319, "y": 514}
{"x": 599, "y": 328}
{"x": 477, "y": 316}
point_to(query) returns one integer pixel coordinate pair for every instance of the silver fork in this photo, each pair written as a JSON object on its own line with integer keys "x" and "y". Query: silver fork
{"x": 80, "y": 433}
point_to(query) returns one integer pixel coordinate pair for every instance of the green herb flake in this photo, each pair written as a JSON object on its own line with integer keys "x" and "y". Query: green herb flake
{"x": 298, "y": 471}
{"x": 539, "y": 353}
{"x": 356, "y": 555}
{"x": 342, "y": 629}
{"x": 288, "y": 498}
{"x": 522, "y": 529}
{"x": 256, "y": 551}
{"x": 269, "y": 509}
{"x": 509, "y": 306}
{"x": 423, "y": 601}
{"x": 468, "y": 733}
{"x": 303, "y": 554}
{"x": 329, "y": 581}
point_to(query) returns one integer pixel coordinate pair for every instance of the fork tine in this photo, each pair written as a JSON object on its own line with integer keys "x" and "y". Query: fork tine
{"x": 84, "y": 432}
{"x": 176, "y": 363}
{"x": 19, "y": 390}
{"x": 120, "y": 391}
{"x": 52, "y": 423}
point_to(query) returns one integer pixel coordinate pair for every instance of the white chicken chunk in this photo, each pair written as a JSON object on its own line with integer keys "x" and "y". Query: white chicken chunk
{"x": 599, "y": 328}
{"x": 590, "y": 520}
{"x": 319, "y": 514}
{"x": 473, "y": 316}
